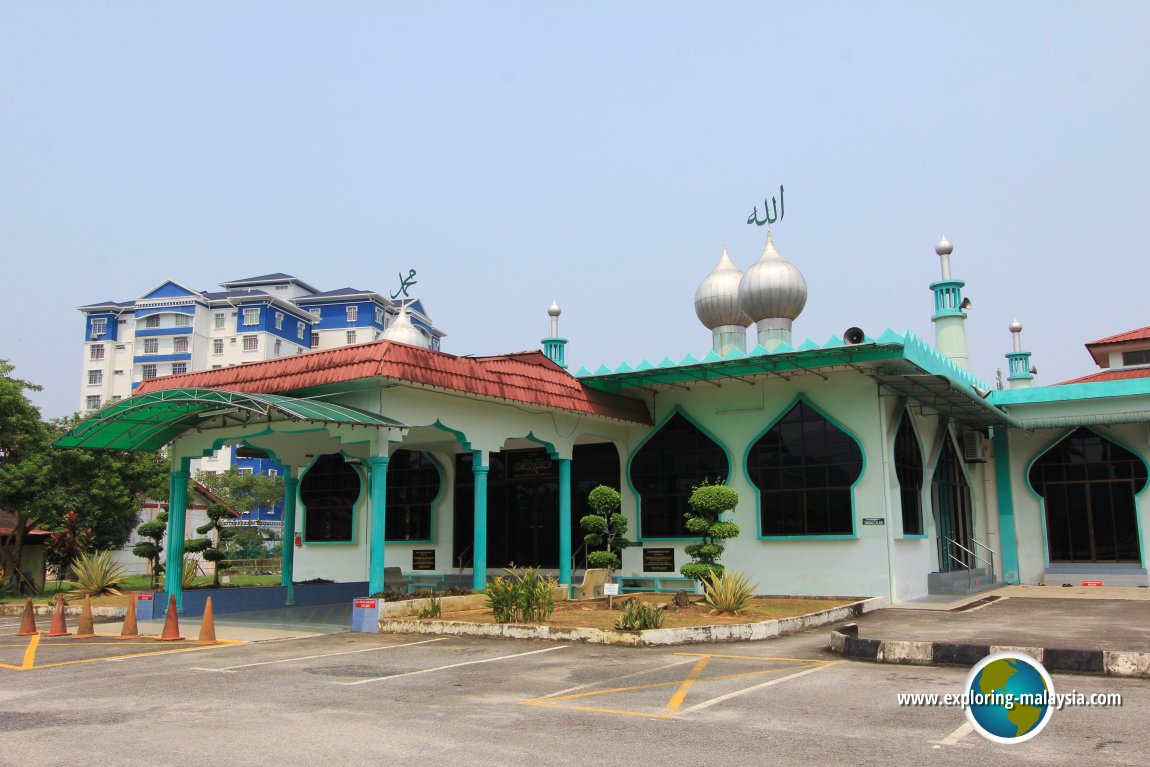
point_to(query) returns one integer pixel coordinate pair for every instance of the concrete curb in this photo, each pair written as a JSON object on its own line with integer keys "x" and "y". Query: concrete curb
{"x": 741, "y": 632}
{"x": 75, "y": 608}
{"x": 845, "y": 641}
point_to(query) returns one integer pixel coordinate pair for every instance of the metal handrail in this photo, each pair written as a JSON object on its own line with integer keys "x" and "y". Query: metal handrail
{"x": 575, "y": 557}
{"x": 459, "y": 559}
{"x": 962, "y": 565}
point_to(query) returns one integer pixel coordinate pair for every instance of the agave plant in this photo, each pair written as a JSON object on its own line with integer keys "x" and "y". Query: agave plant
{"x": 97, "y": 573}
{"x": 729, "y": 591}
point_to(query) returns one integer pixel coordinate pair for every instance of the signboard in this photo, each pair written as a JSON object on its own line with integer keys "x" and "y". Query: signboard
{"x": 530, "y": 463}
{"x": 1091, "y": 583}
{"x": 658, "y": 560}
{"x": 365, "y": 614}
{"x": 874, "y": 521}
{"x": 144, "y": 597}
{"x": 610, "y": 589}
{"x": 361, "y": 604}
{"x": 423, "y": 559}
{"x": 145, "y": 605}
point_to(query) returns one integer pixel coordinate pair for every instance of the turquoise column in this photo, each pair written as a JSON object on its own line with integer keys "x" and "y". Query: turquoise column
{"x": 565, "y": 522}
{"x": 378, "y": 523}
{"x": 479, "y": 548}
{"x": 1007, "y": 535}
{"x": 177, "y": 528}
{"x": 287, "y": 548}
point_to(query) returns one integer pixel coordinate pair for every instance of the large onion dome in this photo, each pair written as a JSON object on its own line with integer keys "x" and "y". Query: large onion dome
{"x": 401, "y": 331}
{"x": 773, "y": 288}
{"x": 717, "y": 298}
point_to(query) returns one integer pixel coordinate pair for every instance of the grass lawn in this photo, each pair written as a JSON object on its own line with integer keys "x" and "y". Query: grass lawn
{"x": 594, "y": 613}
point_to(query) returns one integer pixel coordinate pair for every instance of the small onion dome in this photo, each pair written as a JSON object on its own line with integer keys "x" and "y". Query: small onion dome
{"x": 1016, "y": 327}
{"x": 554, "y": 310}
{"x": 717, "y": 298}
{"x": 773, "y": 288}
{"x": 401, "y": 331}
{"x": 944, "y": 248}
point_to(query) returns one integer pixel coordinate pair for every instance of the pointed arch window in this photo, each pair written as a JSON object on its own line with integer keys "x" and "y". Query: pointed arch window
{"x": 908, "y": 469}
{"x": 1088, "y": 484}
{"x": 805, "y": 468}
{"x": 675, "y": 459}
{"x": 412, "y": 486}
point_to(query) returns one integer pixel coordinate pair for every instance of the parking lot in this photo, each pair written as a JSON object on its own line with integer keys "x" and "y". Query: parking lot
{"x": 362, "y": 698}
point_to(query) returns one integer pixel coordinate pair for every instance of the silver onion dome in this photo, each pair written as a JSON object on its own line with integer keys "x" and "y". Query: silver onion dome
{"x": 944, "y": 247}
{"x": 773, "y": 288}
{"x": 554, "y": 310}
{"x": 1016, "y": 327}
{"x": 401, "y": 331}
{"x": 717, "y": 297}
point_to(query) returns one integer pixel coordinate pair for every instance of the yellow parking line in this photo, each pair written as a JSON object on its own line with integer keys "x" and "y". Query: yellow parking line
{"x": 34, "y": 646}
{"x": 30, "y": 653}
{"x": 685, "y": 686}
{"x": 755, "y": 657}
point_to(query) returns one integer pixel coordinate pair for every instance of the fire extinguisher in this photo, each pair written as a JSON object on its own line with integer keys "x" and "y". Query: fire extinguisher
{"x": 298, "y": 541}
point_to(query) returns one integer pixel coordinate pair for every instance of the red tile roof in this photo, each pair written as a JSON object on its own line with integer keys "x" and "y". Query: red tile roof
{"x": 527, "y": 377}
{"x": 8, "y": 526}
{"x": 1142, "y": 334}
{"x": 1110, "y": 375}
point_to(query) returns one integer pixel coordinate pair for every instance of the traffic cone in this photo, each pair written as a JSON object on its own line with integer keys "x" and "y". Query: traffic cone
{"x": 28, "y": 625}
{"x": 171, "y": 623}
{"x": 59, "y": 624}
{"x": 131, "y": 630}
{"x": 86, "y": 630}
{"x": 208, "y": 625}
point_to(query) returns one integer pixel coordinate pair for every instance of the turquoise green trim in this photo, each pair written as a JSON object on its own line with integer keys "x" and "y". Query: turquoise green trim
{"x": 758, "y": 494}
{"x": 354, "y": 507}
{"x": 177, "y": 531}
{"x": 287, "y": 546}
{"x": 1129, "y": 387}
{"x": 479, "y": 547}
{"x": 1042, "y": 501}
{"x": 434, "y": 502}
{"x": 1007, "y": 533}
{"x": 631, "y": 458}
{"x": 947, "y": 299}
{"x": 460, "y": 437}
{"x": 923, "y": 454}
{"x": 905, "y": 537}
{"x": 378, "y": 523}
{"x": 565, "y": 521}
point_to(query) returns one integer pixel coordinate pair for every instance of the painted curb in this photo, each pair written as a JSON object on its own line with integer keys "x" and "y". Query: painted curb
{"x": 74, "y": 608}
{"x": 845, "y": 641}
{"x": 742, "y": 632}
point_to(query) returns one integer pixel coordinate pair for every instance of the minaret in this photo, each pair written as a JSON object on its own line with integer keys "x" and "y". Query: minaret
{"x": 949, "y": 318}
{"x": 555, "y": 347}
{"x": 717, "y": 306}
{"x": 1021, "y": 373}
{"x": 773, "y": 293}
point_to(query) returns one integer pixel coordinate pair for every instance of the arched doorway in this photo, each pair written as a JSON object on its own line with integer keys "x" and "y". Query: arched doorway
{"x": 950, "y": 495}
{"x": 1088, "y": 484}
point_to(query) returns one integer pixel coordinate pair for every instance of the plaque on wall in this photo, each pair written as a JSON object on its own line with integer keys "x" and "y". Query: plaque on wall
{"x": 423, "y": 559}
{"x": 529, "y": 463}
{"x": 658, "y": 560}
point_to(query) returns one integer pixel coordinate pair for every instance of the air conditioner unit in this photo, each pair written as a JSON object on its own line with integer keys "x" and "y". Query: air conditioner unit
{"x": 974, "y": 448}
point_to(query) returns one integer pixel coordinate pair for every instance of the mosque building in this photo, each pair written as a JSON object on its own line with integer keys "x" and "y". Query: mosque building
{"x": 869, "y": 466}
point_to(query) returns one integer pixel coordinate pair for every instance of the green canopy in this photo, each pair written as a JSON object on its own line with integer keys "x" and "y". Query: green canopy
{"x": 150, "y": 421}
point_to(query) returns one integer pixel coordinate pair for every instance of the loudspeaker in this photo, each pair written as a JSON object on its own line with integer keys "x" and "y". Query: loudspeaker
{"x": 854, "y": 336}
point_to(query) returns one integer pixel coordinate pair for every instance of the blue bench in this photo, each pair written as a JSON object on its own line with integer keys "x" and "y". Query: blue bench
{"x": 657, "y": 583}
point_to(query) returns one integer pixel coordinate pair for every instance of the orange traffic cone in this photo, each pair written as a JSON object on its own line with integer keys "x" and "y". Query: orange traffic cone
{"x": 208, "y": 625}
{"x": 28, "y": 625}
{"x": 171, "y": 623}
{"x": 86, "y": 630}
{"x": 131, "y": 630}
{"x": 59, "y": 624}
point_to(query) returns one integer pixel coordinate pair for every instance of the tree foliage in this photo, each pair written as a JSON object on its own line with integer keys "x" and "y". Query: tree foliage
{"x": 217, "y": 534}
{"x": 65, "y": 545}
{"x": 243, "y": 491}
{"x": 606, "y": 527}
{"x": 154, "y": 530}
{"x": 708, "y": 503}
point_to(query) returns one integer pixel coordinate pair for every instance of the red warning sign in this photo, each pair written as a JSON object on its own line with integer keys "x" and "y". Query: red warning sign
{"x": 1091, "y": 583}
{"x": 144, "y": 597}
{"x": 366, "y": 603}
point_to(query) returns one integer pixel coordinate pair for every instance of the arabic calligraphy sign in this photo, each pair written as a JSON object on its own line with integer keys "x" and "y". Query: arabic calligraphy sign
{"x": 777, "y": 211}
{"x": 404, "y": 284}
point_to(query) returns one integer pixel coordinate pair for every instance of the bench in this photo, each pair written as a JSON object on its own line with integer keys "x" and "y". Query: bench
{"x": 395, "y": 580}
{"x": 657, "y": 583}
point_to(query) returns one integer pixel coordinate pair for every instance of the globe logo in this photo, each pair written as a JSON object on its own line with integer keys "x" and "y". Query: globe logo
{"x": 1009, "y": 697}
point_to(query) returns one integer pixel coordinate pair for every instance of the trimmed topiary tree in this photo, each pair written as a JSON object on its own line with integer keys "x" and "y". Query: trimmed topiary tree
{"x": 213, "y": 551}
{"x": 708, "y": 504}
{"x": 155, "y": 529}
{"x": 606, "y": 527}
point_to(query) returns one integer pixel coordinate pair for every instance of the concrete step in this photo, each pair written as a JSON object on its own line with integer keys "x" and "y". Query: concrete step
{"x": 960, "y": 582}
{"x": 1076, "y": 575}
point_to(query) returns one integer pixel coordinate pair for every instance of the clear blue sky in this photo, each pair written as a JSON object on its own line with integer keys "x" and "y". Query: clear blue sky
{"x": 598, "y": 154}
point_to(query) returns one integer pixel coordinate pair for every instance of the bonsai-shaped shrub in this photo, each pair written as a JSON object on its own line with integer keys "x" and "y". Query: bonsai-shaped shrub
{"x": 213, "y": 551}
{"x": 605, "y": 527}
{"x": 708, "y": 503}
{"x": 151, "y": 550}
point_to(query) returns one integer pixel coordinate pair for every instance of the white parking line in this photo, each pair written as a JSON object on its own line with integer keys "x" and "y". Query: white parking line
{"x": 444, "y": 668}
{"x": 745, "y": 690}
{"x": 232, "y": 669}
{"x": 614, "y": 679}
{"x": 963, "y": 730}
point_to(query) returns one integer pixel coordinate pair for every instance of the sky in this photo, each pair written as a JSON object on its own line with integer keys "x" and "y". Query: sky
{"x": 599, "y": 154}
